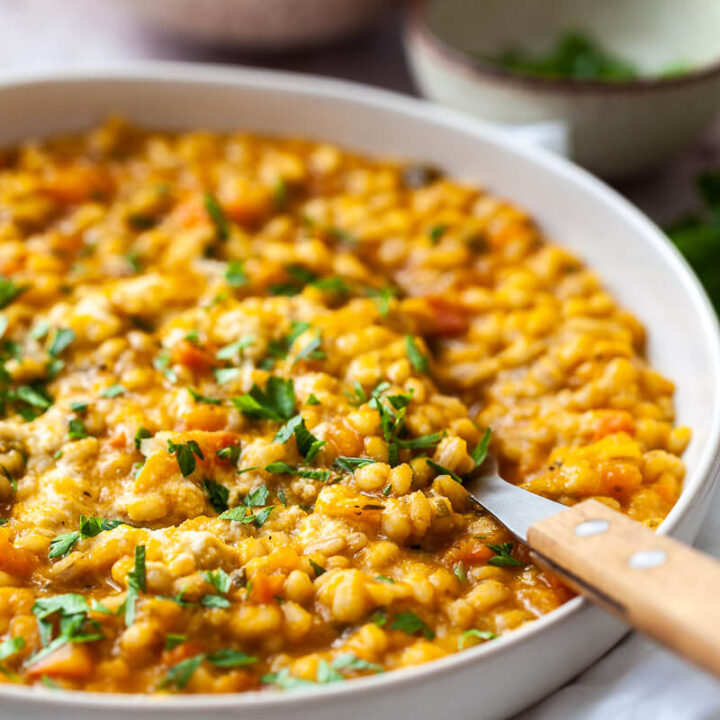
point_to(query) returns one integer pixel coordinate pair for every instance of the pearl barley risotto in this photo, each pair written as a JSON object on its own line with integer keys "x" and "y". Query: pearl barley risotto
{"x": 242, "y": 382}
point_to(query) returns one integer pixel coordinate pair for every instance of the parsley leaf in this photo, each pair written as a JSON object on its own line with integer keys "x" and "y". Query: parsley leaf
{"x": 179, "y": 675}
{"x": 113, "y": 391}
{"x": 235, "y": 274}
{"x": 185, "y": 454}
{"x": 258, "y": 497}
{"x": 228, "y": 352}
{"x": 307, "y": 444}
{"x": 440, "y": 470}
{"x": 474, "y": 632}
{"x": 198, "y": 397}
{"x": 9, "y": 291}
{"x": 76, "y": 429}
{"x": 480, "y": 451}
{"x": 63, "y": 338}
{"x": 410, "y": 624}
{"x": 141, "y": 434}
{"x": 276, "y": 402}
{"x": 502, "y": 557}
{"x": 348, "y": 661}
{"x": 350, "y": 464}
{"x": 418, "y": 360}
{"x": 311, "y": 351}
{"x": 318, "y": 569}
{"x": 172, "y": 640}
{"x": 282, "y": 468}
{"x": 225, "y": 375}
{"x": 231, "y": 658}
{"x": 217, "y": 494}
{"x": 218, "y": 217}
{"x": 219, "y": 579}
{"x": 229, "y": 452}
{"x": 136, "y": 582}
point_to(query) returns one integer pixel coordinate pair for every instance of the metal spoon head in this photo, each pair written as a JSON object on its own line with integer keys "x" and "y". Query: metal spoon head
{"x": 515, "y": 508}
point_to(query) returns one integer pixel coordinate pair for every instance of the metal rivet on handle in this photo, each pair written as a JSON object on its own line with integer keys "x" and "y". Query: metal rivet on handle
{"x": 647, "y": 559}
{"x": 591, "y": 527}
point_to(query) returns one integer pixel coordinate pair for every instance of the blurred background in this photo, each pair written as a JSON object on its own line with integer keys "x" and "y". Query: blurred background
{"x": 359, "y": 40}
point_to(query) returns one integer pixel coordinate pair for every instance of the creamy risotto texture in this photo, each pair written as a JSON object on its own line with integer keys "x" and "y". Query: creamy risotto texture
{"x": 242, "y": 382}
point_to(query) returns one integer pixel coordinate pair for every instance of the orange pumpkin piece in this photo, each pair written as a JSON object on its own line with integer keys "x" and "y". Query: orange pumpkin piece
{"x": 192, "y": 356}
{"x": 265, "y": 588}
{"x": 15, "y": 561}
{"x": 73, "y": 661}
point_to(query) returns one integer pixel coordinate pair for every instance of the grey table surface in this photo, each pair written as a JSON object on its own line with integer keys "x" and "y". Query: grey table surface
{"x": 637, "y": 679}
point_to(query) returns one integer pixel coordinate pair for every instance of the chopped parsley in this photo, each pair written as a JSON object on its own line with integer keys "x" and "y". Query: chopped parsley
{"x": 382, "y": 298}
{"x": 276, "y": 402}
{"x": 141, "y": 434}
{"x": 217, "y": 494}
{"x": 410, "y": 624}
{"x": 235, "y": 274}
{"x": 230, "y": 452}
{"x": 350, "y": 464}
{"x": 89, "y": 527}
{"x": 243, "y": 515}
{"x": 282, "y": 468}
{"x": 185, "y": 454}
{"x": 225, "y": 375}
{"x": 480, "y": 451}
{"x": 217, "y": 216}
{"x": 257, "y": 497}
{"x": 113, "y": 391}
{"x": 307, "y": 444}
{"x": 418, "y": 360}
{"x": 317, "y": 569}
{"x": 63, "y": 338}
{"x": 503, "y": 557}
{"x": 233, "y": 350}
{"x": 436, "y": 232}
{"x": 162, "y": 364}
{"x": 136, "y": 582}
{"x": 172, "y": 640}
{"x": 219, "y": 579}
{"x": 441, "y": 470}
{"x": 76, "y": 429}
{"x": 9, "y": 291}
{"x": 474, "y": 633}
{"x": 311, "y": 351}
{"x": 199, "y": 397}
{"x": 312, "y": 400}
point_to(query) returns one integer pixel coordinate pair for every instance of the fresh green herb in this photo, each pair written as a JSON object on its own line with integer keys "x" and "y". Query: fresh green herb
{"x": 387, "y": 490}
{"x": 310, "y": 351}
{"x": 231, "y": 658}
{"x": 410, "y": 624}
{"x": 257, "y": 497}
{"x": 8, "y": 648}
{"x": 74, "y": 625}
{"x": 113, "y": 391}
{"x": 179, "y": 675}
{"x": 379, "y": 617}
{"x": 312, "y": 400}
{"x": 357, "y": 397}
{"x": 63, "y": 338}
{"x": 436, "y": 232}
{"x": 76, "y": 429}
{"x": 9, "y": 291}
{"x": 40, "y": 330}
{"x": 334, "y": 284}
{"x": 459, "y": 572}
{"x": 199, "y": 397}
{"x": 480, "y": 451}
{"x": 34, "y": 395}
{"x": 141, "y": 434}
{"x": 217, "y": 494}
{"x": 382, "y": 298}
{"x": 327, "y": 674}
{"x": 225, "y": 375}
{"x": 298, "y": 277}
{"x": 162, "y": 364}
{"x": 503, "y": 557}
{"x": 286, "y": 681}
{"x": 385, "y": 579}
{"x": 276, "y": 402}
{"x": 172, "y": 640}
{"x": 4, "y": 521}
{"x": 140, "y": 221}
{"x": 235, "y": 274}
{"x": 307, "y": 444}
{"x": 575, "y": 55}
{"x": 281, "y": 495}
{"x": 219, "y": 579}
{"x": 440, "y": 470}
{"x": 282, "y": 468}
{"x": 133, "y": 260}
{"x": 350, "y": 464}
{"x": 280, "y": 193}
{"x": 348, "y": 661}
{"x": 185, "y": 455}
{"x": 79, "y": 406}
{"x": 193, "y": 337}
{"x": 418, "y": 360}
{"x": 474, "y": 633}
{"x": 318, "y": 569}
{"x": 233, "y": 350}
{"x": 230, "y": 452}
{"x": 218, "y": 217}
{"x": 136, "y": 582}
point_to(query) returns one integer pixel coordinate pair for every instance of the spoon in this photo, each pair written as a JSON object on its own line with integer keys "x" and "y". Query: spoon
{"x": 654, "y": 583}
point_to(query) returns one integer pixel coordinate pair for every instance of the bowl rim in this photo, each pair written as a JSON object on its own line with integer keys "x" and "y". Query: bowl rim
{"x": 417, "y": 29}
{"x": 696, "y": 488}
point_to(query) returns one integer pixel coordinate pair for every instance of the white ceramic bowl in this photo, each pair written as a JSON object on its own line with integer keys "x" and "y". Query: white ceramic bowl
{"x": 268, "y": 25}
{"x": 641, "y": 268}
{"x": 616, "y": 129}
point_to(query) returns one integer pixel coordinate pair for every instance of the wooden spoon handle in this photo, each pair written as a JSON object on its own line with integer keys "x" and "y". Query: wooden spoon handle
{"x": 654, "y": 583}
